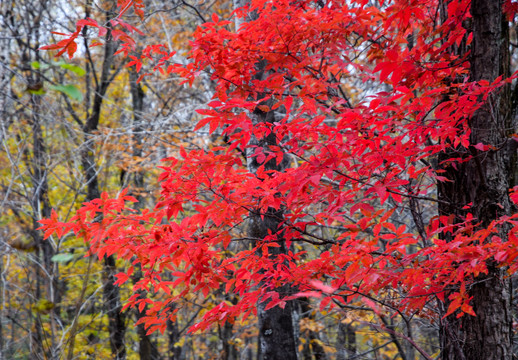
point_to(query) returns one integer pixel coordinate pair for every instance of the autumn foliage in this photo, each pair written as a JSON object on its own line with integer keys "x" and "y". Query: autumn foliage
{"x": 358, "y": 160}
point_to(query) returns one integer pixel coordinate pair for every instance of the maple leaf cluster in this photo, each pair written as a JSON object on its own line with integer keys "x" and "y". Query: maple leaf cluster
{"x": 356, "y": 162}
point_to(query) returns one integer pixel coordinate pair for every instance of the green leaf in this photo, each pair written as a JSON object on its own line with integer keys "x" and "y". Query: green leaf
{"x": 79, "y": 71}
{"x": 70, "y": 90}
{"x": 62, "y": 258}
{"x": 36, "y": 65}
{"x": 36, "y": 92}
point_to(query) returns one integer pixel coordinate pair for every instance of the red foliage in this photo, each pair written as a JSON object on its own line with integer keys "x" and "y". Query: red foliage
{"x": 353, "y": 166}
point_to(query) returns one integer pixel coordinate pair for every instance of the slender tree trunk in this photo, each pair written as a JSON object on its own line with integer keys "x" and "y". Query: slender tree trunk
{"x": 111, "y": 294}
{"x": 312, "y": 347}
{"x": 484, "y": 181}
{"x": 45, "y": 270}
{"x": 173, "y": 335}
{"x": 225, "y": 332}
{"x": 229, "y": 350}
{"x": 147, "y": 350}
{"x": 24, "y": 29}
{"x": 44, "y": 249}
{"x": 346, "y": 340}
{"x": 113, "y": 307}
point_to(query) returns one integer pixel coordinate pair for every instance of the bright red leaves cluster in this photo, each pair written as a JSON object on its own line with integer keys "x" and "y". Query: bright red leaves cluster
{"x": 357, "y": 157}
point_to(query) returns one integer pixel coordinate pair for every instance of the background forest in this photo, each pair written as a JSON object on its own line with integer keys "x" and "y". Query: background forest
{"x": 72, "y": 129}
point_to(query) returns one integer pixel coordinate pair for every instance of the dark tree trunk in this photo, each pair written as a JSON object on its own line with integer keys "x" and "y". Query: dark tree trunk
{"x": 147, "y": 350}
{"x": 346, "y": 339}
{"x": 483, "y": 180}
{"x": 173, "y": 335}
{"x": 276, "y": 331}
{"x": 113, "y": 307}
{"x": 312, "y": 346}
{"x": 229, "y": 349}
{"x": 277, "y": 339}
{"x": 276, "y": 325}
{"x": 111, "y": 294}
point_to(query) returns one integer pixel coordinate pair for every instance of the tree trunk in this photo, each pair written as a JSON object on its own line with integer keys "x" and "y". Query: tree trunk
{"x": 229, "y": 351}
{"x": 312, "y": 346}
{"x": 45, "y": 269}
{"x": 277, "y": 339}
{"x": 113, "y": 307}
{"x": 276, "y": 331}
{"x": 147, "y": 350}
{"x": 346, "y": 342}
{"x": 111, "y": 293}
{"x": 484, "y": 181}
{"x": 173, "y": 335}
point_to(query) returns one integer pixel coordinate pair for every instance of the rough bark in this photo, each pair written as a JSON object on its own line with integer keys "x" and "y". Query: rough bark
{"x": 276, "y": 331}
{"x": 484, "y": 181}
{"x": 277, "y": 339}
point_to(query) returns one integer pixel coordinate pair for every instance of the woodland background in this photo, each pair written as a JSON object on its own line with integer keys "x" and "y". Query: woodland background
{"x": 71, "y": 129}
{"x": 57, "y": 117}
